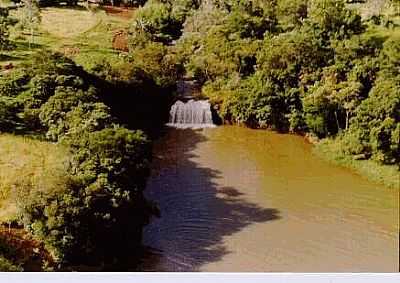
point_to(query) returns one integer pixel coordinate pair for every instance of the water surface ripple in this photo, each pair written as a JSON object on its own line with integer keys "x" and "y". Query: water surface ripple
{"x": 238, "y": 200}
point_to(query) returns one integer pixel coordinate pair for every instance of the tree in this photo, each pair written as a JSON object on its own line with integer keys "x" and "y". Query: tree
{"x": 333, "y": 20}
{"x": 251, "y": 18}
{"x": 99, "y": 216}
{"x": 377, "y": 120}
{"x": 292, "y": 13}
{"x": 321, "y": 111}
{"x": 53, "y": 113}
{"x": 5, "y": 23}
{"x": 156, "y": 19}
{"x": 31, "y": 17}
{"x": 156, "y": 62}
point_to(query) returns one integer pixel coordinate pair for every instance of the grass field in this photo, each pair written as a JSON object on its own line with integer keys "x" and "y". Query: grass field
{"x": 83, "y": 34}
{"x": 27, "y": 164}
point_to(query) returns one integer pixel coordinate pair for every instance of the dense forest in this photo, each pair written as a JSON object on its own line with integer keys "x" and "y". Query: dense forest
{"x": 299, "y": 66}
{"x": 314, "y": 67}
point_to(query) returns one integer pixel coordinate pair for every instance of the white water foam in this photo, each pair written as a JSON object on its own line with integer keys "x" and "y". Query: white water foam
{"x": 191, "y": 115}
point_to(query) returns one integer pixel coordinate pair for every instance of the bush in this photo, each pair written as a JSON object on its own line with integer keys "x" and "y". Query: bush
{"x": 8, "y": 117}
{"x": 8, "y": 266}
{"x": 5, "y": 23}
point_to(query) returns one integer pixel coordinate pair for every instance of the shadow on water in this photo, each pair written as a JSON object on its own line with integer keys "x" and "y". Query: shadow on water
{"x": 196, "y": 212}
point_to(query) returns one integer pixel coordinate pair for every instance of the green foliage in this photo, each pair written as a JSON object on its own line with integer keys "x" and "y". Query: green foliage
{"x": 98, "y": 213}
{"x": 321, "y": 112}
{"x": 87, "y": 118}
{"x": 114, "y": 153}
{"x": 291, "y": 13}
{"x": 7, "y": 252}
{"x": 331, "y": 19}
{"x": 254, "y": 103}
{"x": 377, "y": 121}
{"x": 8, "y": 266}
{"x": 53, "y": 114}
{"x": 333, "y": 150}
{"x": 8, "y": 117}
{"x": 390, "y": 59}
{"x": 286, "y": 57}
{"x": 10, "y": 86}
{"x": 5, "y": 23}
{"x": 103, "y": 206}
{"x": 217, "y": 56}
{"x": 181, "y": 9}
{"x": 251, "y": 18}
{"x": 157, "y": 20}
{"x": 155, "y": 61}
{"x": 50, "y": 63}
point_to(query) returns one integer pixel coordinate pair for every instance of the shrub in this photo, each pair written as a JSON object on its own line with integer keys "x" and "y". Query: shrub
{"x": 8, "y": 111}
{"x": 5, "y": 23}
{"x": 8, "y": 266}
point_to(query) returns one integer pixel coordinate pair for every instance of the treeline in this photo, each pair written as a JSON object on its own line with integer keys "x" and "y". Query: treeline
{"x": 300, "y": 66}
{"x": 47, "y": 3}
{"x": 96, "y": 216}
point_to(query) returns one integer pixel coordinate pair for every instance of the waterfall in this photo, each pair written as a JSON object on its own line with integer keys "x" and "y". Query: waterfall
{"x": 192, "y": 114}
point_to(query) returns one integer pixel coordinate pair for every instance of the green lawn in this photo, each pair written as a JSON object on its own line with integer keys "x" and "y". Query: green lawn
{"x": 84, "y": 35}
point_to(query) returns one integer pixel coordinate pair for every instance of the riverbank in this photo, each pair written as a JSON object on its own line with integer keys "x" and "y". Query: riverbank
{"x": 388, "y": 175}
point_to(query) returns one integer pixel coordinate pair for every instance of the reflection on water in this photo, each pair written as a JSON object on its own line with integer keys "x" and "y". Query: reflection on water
{"x": 234, "y": 199}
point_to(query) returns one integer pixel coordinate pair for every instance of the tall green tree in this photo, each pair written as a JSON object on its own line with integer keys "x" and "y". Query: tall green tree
{"x": 5, "y": 23}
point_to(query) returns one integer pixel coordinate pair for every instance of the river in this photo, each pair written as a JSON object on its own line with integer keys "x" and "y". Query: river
{"x": 234, "y": 199}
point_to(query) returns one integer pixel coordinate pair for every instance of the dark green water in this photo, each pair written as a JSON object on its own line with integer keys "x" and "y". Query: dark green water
{"x": 237, "y": 200}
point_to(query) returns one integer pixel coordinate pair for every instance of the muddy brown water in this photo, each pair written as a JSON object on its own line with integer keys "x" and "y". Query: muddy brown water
{"x": 239, "y": 200}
